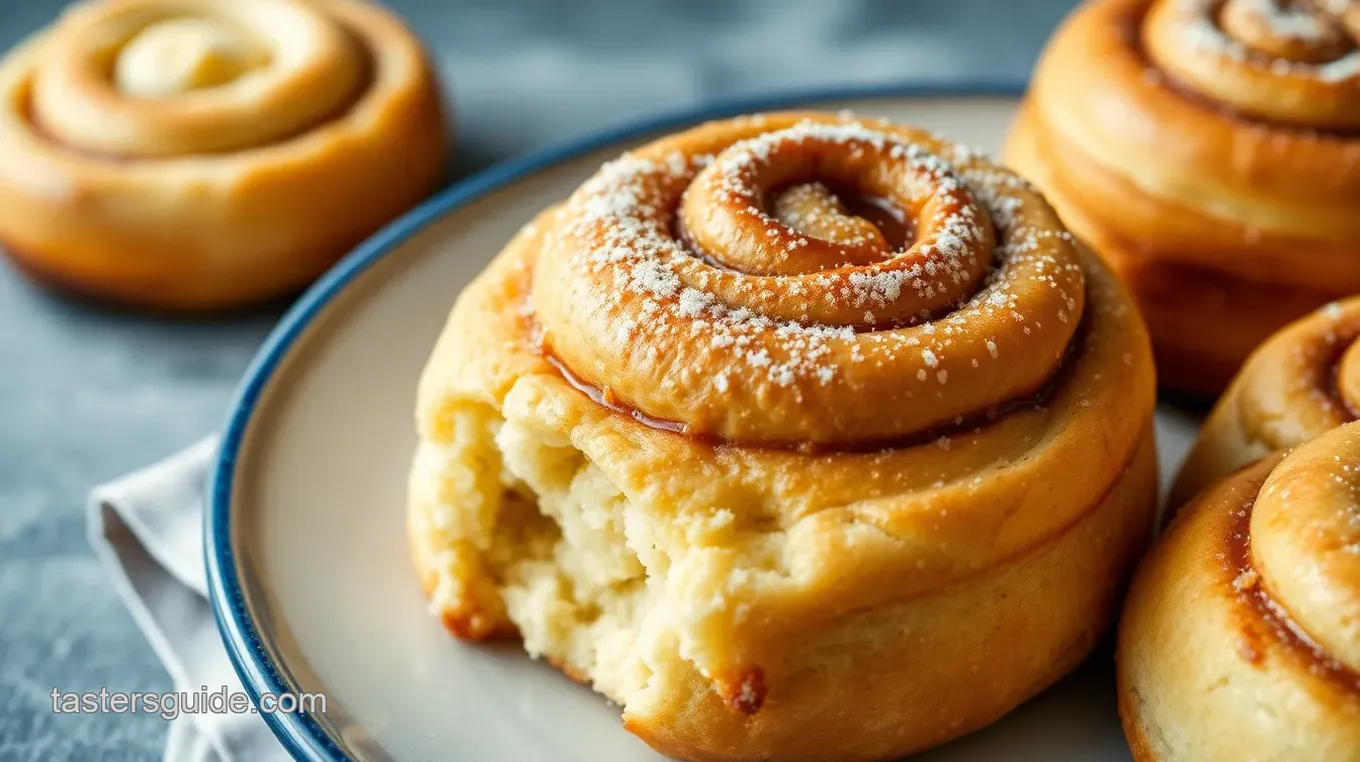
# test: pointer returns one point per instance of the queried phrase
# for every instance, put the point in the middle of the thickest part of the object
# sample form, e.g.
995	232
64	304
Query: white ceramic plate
306	546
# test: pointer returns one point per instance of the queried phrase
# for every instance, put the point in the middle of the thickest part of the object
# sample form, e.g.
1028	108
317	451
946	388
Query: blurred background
87	394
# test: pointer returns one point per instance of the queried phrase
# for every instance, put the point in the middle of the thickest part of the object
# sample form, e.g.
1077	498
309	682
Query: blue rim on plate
299	733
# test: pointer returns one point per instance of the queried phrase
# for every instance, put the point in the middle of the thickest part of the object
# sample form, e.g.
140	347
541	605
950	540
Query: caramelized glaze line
1279	626
1038	401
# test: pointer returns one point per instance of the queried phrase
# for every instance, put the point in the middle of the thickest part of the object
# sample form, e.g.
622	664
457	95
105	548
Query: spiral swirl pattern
193	76
1256	591
205	153
1301	383
763	320
1305	545
1244	53
781	386
1207	149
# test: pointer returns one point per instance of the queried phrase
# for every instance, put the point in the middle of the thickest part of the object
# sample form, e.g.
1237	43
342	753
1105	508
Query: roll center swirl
819	212
1287	61
166	78
728	204
782	302
725	213
1291	31
1305	541
181	55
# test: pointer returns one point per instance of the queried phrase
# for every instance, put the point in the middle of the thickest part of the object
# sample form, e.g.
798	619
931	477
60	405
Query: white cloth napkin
147	529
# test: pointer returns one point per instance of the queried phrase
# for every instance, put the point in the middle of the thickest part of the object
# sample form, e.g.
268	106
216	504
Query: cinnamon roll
1208	149
1241	635
768	431
201	154
1302	382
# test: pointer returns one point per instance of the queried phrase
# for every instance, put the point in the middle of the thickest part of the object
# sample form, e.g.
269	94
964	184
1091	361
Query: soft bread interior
657	592
538	535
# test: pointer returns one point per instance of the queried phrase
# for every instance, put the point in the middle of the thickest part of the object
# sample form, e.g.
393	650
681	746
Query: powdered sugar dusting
1201	32
945	260
644	258
978	254
1288	22
813	209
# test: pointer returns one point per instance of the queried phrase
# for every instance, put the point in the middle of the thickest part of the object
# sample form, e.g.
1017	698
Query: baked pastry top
767	433
1241	635
200	154
1299	384
1208	150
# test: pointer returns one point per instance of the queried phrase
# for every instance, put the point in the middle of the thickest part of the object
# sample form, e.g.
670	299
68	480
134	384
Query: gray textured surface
86	394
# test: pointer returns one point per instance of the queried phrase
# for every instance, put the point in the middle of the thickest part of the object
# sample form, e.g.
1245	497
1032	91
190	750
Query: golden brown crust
744	690
911	694
1139	745
479	617
158	202
1237	640
773	349
1296	386
853	599
1171	186
1203	322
